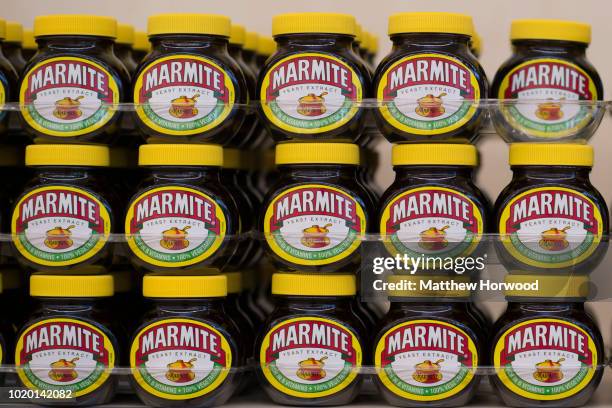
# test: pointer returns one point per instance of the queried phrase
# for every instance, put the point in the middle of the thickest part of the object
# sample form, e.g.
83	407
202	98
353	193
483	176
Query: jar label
310	93
551	227
431	221
64	354
68	96
425	360
314	224
183	95
310	357
175	226
545	359
548	83
428	94
180	359
60	225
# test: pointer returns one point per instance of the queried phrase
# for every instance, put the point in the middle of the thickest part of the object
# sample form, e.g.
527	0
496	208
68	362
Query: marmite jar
249	51
68	344
550	218
11	47
265	48
123	47
433	209
547	351
312	346
188	88
70	89
317	214
551	85
186	350
430	85
312	87
63	218
181	217
429	345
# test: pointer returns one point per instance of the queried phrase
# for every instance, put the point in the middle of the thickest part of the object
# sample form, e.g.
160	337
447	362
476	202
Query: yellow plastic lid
477	43
328	23
75	24
359	34
266	46
14	32
184	23
191	286
67	155
250	41
559	30
141	42
374	44
125	34
234	282
180	155
237	35
317	153
402	281
551	154
366	42
297	284
549	286
71	286
2	29
29	43
434	154
419	22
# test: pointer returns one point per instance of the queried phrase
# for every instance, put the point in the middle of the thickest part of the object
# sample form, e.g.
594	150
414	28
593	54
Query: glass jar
551	85
70	88
201	354
63	217
69	342
550	218
312	345
188	88
312	86
430	85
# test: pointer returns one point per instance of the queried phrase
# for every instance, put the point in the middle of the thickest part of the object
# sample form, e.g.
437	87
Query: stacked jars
63	217
552	222
188	224
317	213
429	89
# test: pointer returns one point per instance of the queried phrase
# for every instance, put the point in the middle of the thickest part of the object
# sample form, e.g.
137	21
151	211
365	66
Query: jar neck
320	171
186	173
60	172
432	172
180	42
431	40
549	47
314	302
188	305
75	43
559	306
579	173
310	40
235	52
69	305
439	305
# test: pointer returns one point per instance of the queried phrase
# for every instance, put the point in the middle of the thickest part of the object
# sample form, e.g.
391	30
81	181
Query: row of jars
192	341
189	88
188	210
